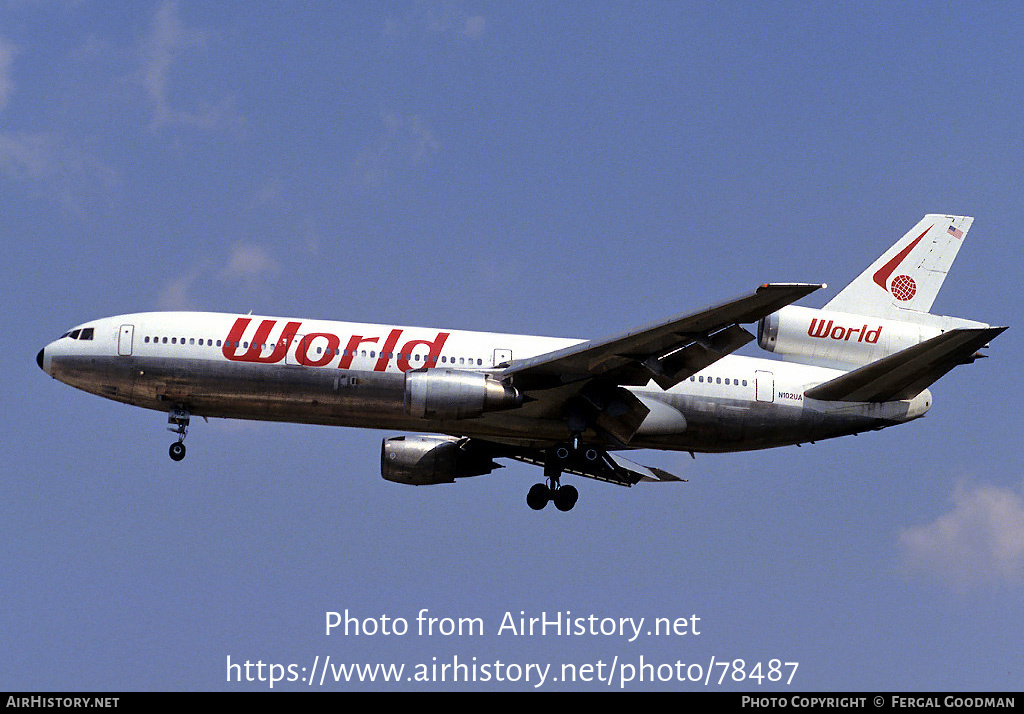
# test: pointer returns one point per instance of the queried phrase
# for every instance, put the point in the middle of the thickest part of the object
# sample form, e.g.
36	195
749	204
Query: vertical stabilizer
908	276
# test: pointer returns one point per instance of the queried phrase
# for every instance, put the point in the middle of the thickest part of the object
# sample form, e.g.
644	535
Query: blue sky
568	169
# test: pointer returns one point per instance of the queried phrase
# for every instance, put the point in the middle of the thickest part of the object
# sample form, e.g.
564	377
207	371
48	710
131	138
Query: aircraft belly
715	424
280	392
244	390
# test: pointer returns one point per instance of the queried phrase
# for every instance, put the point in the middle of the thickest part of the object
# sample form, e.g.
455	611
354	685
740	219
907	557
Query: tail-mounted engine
423	460
454	394
836	339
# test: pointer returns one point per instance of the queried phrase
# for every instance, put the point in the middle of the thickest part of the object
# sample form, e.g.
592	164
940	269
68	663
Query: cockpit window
82	333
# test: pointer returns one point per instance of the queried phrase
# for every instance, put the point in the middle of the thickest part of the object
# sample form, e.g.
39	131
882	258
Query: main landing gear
564	497
179	417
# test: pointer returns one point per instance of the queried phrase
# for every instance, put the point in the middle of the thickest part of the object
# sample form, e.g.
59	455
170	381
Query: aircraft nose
39	358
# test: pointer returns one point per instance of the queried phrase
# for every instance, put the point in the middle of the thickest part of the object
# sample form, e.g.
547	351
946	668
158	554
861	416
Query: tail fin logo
906	288
903	287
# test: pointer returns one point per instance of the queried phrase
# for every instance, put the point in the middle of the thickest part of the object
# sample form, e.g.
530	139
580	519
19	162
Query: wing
667	352
608	467
907	373
585	384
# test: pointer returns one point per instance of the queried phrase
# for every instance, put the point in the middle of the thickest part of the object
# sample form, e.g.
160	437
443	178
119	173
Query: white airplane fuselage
862	362
354	374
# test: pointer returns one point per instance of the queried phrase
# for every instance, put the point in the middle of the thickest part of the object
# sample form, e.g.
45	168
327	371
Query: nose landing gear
179	417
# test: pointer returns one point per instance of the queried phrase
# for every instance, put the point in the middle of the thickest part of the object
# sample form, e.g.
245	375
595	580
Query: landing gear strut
564	497
179	417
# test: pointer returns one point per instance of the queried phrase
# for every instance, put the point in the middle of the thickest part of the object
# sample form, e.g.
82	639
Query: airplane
862	362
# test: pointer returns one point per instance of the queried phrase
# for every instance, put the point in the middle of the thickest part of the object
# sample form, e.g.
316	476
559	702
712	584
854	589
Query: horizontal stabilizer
907	373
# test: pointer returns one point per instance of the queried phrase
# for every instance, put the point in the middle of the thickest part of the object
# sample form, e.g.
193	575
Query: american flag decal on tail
955	232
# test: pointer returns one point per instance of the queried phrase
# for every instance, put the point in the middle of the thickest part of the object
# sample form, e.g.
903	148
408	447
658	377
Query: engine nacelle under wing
425	460
837	339
455	394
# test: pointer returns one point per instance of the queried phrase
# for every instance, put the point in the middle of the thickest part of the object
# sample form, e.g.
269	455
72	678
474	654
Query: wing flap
671	369
610	468
906	373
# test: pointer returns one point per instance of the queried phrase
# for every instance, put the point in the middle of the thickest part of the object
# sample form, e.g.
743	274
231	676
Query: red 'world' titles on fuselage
822	330
254	351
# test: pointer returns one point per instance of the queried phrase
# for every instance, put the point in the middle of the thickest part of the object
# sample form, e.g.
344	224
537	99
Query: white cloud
980	541
7	54
179	293
244	267
474	26
248	263
438	18
75	179
167	42
403	141
46	161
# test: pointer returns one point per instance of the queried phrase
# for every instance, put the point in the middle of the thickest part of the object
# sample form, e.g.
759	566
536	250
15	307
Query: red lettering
389	346
255	351
822	330
350	350
328	353
434	354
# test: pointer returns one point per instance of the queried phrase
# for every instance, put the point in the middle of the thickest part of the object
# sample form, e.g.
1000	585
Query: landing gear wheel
177	451
179	417
538	496
565	498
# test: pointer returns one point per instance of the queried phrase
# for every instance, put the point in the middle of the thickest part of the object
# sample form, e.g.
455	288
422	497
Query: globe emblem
903	287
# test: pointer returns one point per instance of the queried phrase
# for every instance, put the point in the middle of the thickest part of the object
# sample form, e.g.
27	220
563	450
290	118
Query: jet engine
455	394
423	460
836	339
